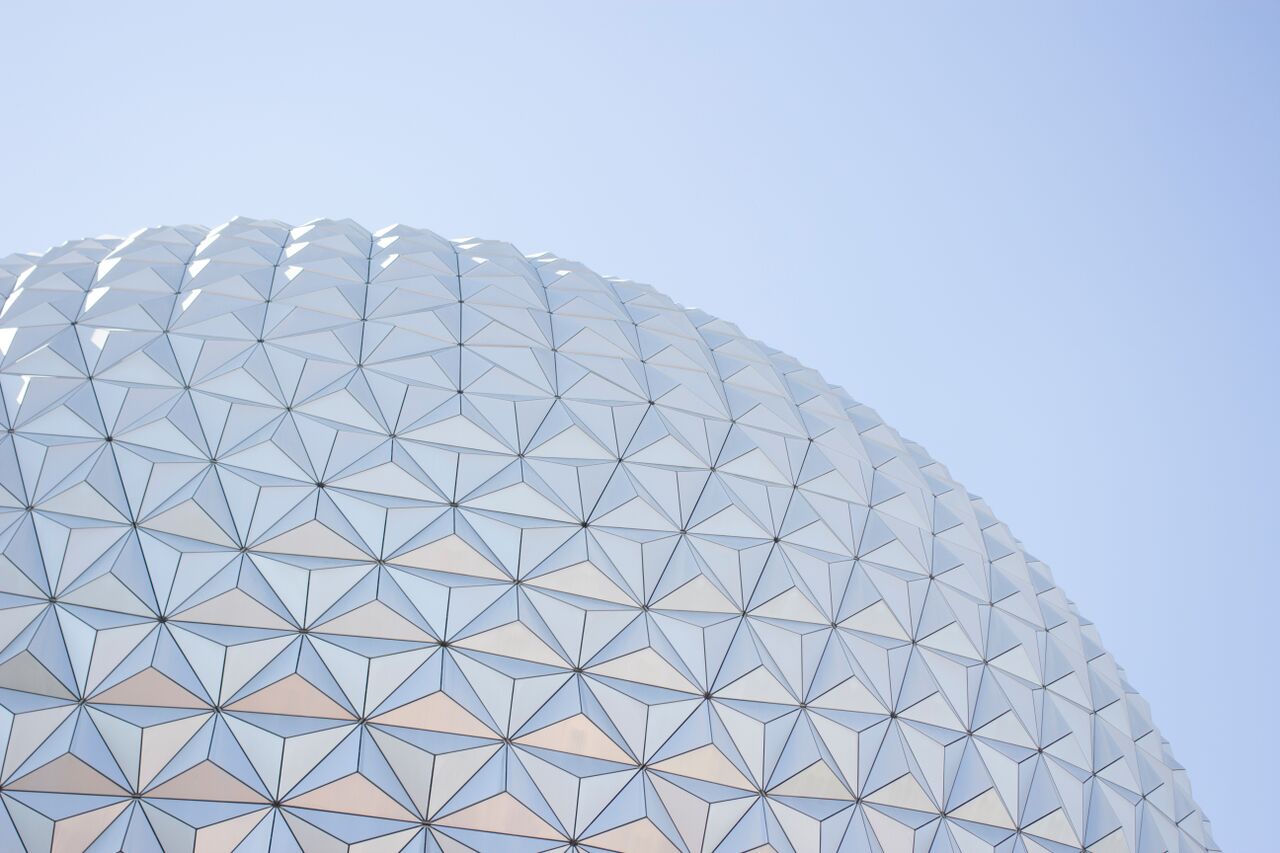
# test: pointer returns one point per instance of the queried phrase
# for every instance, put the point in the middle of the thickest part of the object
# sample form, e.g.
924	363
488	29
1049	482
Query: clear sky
1042	239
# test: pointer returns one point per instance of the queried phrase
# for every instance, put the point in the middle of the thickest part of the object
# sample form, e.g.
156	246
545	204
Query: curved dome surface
318	539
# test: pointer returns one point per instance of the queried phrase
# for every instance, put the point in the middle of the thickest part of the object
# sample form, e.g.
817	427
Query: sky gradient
1043	240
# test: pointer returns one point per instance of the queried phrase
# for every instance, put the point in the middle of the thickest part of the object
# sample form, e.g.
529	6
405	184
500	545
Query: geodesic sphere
317	539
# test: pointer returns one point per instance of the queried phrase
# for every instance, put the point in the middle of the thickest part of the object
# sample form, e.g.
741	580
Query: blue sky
1040	238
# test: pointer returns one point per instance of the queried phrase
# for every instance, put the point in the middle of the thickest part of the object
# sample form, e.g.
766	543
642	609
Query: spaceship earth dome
322	539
